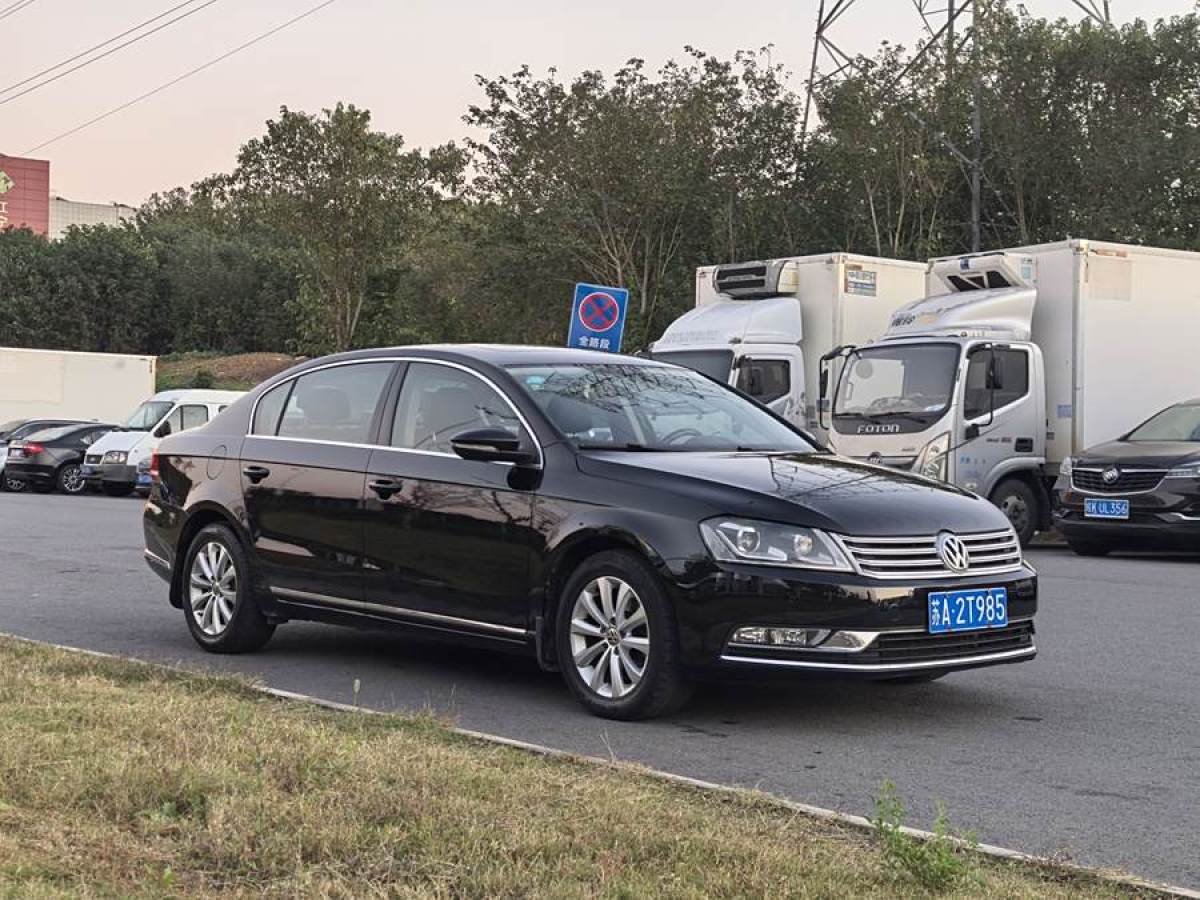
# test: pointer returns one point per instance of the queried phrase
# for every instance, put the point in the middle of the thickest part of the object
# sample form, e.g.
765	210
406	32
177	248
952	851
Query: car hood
1149	454
118	440
816	489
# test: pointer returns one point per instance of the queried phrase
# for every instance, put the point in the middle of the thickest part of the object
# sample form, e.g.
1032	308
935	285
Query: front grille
917	557
916	647
93	458
1129	481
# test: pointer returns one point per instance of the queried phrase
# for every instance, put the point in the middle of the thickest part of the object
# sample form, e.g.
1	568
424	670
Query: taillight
33	449
154	467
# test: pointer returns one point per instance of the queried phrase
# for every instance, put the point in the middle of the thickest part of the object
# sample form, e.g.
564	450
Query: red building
25	194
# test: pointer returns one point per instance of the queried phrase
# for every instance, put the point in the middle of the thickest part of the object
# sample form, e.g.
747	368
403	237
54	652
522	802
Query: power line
13	8
109	52
101	45
188	74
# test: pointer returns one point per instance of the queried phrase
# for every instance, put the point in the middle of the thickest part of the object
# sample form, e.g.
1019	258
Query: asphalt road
1090	752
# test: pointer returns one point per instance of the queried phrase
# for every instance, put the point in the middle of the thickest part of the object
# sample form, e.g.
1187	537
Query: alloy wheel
11	484
212	588
72	480
610	637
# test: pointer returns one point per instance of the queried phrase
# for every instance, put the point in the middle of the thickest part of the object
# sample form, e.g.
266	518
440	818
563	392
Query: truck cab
954	390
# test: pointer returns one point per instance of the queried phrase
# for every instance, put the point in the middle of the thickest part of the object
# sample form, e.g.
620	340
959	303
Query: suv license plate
968	610
1105	509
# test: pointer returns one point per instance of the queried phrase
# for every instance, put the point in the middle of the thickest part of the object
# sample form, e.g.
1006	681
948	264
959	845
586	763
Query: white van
112	462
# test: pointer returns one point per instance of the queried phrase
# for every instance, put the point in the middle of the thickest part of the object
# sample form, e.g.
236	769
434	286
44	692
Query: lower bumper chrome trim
395	612
883	667
155	560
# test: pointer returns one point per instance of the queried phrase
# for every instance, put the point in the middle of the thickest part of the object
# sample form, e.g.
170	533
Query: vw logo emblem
1110	475
953	552
875	459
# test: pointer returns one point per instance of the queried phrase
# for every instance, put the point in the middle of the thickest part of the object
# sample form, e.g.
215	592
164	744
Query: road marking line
860	823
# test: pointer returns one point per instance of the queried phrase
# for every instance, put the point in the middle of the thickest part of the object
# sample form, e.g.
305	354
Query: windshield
147	415
642	407
713	363
907	380
1175	423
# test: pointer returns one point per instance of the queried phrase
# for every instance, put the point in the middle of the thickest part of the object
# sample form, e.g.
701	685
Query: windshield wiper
640	448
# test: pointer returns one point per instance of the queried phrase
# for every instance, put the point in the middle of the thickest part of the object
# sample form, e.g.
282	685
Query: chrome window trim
395	359
327	600
882	667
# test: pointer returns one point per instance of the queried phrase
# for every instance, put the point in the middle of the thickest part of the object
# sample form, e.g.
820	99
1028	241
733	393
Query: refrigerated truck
764	325
39	384
1018	359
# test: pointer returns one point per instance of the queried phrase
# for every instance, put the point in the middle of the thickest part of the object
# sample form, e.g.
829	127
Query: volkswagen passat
629	523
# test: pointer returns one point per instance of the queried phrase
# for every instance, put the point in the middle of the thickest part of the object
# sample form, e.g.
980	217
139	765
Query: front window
645	407
912	382
147	415
713	363
766	380
1175	423
438	402
995	378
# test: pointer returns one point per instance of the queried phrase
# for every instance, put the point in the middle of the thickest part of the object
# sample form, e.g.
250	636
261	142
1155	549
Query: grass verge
121	779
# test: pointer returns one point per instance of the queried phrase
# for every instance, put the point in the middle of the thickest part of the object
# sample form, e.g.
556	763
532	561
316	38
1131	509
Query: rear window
50	434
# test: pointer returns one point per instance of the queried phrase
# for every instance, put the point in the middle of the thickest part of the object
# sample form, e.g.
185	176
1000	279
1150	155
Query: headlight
771	544
932	461
1066	467
1190	470
115	456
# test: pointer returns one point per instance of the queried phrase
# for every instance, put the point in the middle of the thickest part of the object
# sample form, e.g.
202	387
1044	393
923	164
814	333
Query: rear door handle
256	473
385	487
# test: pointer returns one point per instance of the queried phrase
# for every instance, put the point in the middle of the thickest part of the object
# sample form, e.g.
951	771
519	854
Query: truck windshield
913	380
147	415
713	363
652	408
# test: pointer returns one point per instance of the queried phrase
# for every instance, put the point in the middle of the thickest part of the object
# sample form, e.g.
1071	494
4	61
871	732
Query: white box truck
764	326
1019	358
40	384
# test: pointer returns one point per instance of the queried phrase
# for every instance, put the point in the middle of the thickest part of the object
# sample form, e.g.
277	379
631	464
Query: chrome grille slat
1129	481
916	556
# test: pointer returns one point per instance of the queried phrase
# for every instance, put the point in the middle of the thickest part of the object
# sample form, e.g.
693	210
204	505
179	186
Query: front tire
70	479
1018	501
617	641
218	599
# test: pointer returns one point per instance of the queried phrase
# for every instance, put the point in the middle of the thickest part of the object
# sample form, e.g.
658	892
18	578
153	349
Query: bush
936	863
203	379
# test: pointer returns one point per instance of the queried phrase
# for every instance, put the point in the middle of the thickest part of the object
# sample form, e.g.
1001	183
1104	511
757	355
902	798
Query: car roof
202	395
497	355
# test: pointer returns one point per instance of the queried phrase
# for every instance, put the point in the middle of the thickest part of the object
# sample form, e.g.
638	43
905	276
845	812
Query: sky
411	62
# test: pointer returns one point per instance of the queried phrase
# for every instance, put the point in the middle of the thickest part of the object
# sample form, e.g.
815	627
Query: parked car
53	457
1141	491
627	522
15	430
112	464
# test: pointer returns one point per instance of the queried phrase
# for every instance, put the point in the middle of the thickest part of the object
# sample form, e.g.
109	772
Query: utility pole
976	131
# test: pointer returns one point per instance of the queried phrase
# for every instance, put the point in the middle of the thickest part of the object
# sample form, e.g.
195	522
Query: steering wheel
680	433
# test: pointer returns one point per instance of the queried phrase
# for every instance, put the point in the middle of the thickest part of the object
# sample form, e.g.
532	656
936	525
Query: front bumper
1168	515
713	605
110	473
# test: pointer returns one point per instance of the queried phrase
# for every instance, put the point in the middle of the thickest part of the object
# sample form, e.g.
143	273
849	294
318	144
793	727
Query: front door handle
256	473
385	487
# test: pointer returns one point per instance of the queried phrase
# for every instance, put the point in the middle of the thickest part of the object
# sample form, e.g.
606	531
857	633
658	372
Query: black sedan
1139	492
16	430
52	457
629	523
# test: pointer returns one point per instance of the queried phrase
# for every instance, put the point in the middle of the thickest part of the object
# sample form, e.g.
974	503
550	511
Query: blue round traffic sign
599	311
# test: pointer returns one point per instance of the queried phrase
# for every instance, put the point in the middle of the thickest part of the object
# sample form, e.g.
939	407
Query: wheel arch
198	519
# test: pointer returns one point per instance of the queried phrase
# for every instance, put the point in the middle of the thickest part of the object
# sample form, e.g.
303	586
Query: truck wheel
218	598
70	479
617	642
116	488
1085	547
1019	502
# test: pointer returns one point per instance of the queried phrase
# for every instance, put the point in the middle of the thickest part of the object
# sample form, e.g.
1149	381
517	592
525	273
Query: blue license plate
968	610
1094	508
144	478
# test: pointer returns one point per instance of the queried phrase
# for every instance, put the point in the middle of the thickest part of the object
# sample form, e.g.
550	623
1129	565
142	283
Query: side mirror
972	431
492	445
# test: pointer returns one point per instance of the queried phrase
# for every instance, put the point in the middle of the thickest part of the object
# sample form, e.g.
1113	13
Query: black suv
1141	491
630	523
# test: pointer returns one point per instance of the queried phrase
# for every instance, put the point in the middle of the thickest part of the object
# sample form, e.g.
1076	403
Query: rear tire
1085	547
617	641
116	489
1019	502
70	480
218	598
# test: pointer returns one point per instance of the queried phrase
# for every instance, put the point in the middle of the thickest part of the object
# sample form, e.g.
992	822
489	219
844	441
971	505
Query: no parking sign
598	317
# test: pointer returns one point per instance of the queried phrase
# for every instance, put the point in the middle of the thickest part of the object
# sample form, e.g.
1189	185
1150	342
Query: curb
859	823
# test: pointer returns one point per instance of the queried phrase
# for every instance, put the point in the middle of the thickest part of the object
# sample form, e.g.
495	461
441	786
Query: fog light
750	636
850	640
781	637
